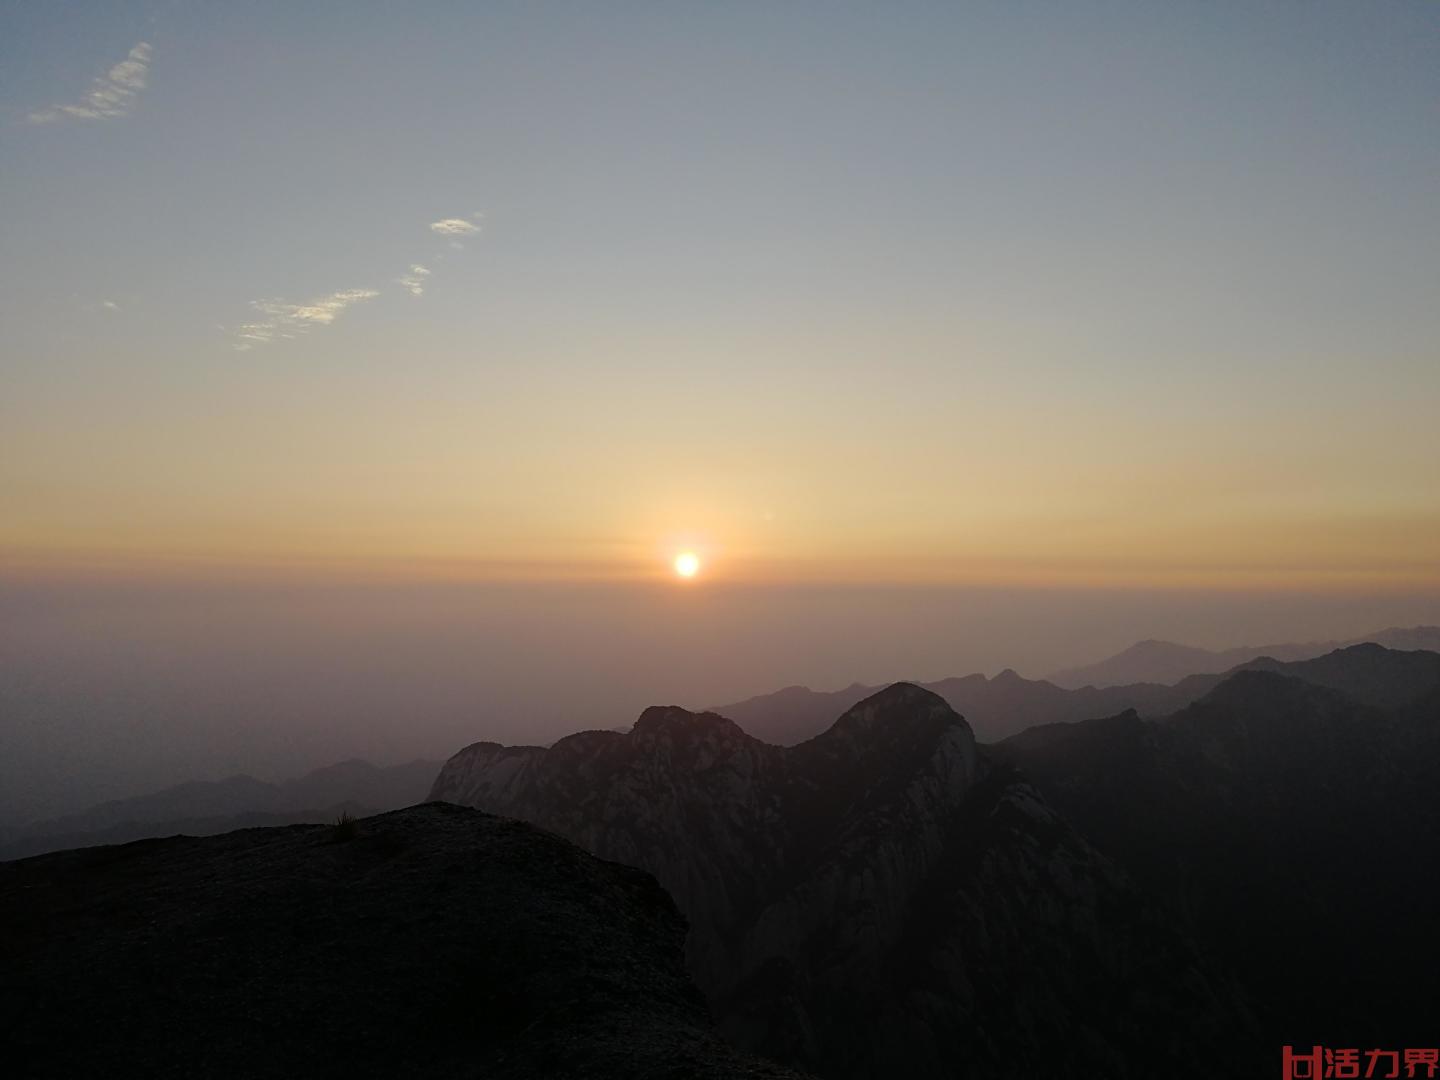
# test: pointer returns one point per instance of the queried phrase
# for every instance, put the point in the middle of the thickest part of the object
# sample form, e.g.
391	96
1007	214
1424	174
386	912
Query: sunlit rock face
878	901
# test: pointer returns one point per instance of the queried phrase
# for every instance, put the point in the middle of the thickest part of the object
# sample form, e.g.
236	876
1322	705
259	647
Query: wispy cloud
279	320
285	320
109	305
414	281
454	227
113	94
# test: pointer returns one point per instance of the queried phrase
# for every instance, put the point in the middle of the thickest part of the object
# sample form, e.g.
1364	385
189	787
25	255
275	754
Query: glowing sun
687	564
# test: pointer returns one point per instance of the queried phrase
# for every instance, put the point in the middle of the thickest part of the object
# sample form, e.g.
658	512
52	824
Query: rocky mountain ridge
880	900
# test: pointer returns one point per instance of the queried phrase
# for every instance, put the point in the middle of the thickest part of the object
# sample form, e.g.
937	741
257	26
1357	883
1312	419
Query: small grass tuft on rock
346	828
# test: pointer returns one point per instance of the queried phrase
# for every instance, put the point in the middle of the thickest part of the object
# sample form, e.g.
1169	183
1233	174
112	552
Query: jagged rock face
878	901
437	942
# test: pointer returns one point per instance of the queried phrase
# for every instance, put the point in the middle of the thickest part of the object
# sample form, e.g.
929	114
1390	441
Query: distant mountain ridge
999	707
209	807
1167	662
994	708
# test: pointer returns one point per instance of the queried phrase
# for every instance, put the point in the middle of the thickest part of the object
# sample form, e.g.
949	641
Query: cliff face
436	942
878	901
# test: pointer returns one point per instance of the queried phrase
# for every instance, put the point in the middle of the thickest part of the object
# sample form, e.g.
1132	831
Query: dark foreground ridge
436	941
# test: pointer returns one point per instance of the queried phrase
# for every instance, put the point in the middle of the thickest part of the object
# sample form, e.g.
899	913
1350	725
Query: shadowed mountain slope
437	942
880	900
1293	830
1367	673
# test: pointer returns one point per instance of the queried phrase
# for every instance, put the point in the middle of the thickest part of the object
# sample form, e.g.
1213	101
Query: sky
1046	300
988	294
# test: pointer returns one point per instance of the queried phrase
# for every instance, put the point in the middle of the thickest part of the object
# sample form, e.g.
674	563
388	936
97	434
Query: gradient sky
1011	293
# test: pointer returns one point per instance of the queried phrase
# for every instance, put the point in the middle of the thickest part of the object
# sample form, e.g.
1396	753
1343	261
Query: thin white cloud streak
454	227
113	94
109	305
284	320
414	281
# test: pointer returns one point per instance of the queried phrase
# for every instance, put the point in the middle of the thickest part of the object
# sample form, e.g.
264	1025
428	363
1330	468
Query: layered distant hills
999	707
1166	662
994	707
205	808
1119	897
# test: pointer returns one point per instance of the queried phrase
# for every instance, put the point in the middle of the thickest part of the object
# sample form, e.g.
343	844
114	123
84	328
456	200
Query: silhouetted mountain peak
901	693
671	722
1371	650
898	707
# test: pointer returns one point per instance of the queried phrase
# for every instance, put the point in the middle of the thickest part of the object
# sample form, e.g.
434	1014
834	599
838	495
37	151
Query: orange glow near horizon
959	490
1319	560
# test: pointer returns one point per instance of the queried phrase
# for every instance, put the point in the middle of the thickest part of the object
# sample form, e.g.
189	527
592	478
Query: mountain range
1290	821
883	900
1166	662
1119	897
994	707
1008	703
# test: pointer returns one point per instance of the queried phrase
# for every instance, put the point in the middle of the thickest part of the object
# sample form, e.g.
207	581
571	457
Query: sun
687	564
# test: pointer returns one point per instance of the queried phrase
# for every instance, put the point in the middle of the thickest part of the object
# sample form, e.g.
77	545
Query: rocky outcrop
433	942
880	900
